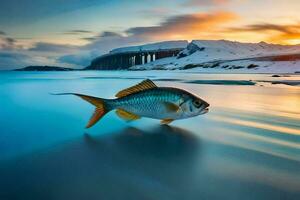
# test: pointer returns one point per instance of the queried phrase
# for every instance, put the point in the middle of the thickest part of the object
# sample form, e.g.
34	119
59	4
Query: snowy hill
222	56
179	44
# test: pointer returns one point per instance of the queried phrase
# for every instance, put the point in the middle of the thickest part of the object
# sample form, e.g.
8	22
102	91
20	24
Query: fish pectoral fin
166	121
127	115
144	85
171	107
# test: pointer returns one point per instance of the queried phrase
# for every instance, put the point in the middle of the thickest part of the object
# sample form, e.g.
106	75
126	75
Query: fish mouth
205	110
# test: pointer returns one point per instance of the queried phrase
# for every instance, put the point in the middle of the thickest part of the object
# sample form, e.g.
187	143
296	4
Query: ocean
246	147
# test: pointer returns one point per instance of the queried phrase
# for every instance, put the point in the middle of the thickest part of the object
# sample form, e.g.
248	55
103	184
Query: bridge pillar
133	60
129	61
148	57
140	58
127	57
143	59
152	57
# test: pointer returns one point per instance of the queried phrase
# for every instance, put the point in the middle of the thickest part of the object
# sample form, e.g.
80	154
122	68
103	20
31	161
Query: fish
146	99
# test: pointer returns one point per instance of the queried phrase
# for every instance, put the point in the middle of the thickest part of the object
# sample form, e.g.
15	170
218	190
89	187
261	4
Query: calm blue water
247	146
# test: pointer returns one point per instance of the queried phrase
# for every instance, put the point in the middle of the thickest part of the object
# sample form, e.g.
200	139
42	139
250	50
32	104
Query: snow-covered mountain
177	44
223	55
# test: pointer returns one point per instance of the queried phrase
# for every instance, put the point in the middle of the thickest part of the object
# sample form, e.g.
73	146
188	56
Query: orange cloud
190	26
283	34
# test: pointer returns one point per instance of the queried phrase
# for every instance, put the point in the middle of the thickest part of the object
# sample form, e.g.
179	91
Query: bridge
124	59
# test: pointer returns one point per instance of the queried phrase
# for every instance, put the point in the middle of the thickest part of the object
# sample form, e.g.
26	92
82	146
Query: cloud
104	34
268	27
185	26
281	33
49	47
193	3
189	26
14	56
77	32
110	34
105	44
197	25
176	27
12	60
81	59
98	45
7	42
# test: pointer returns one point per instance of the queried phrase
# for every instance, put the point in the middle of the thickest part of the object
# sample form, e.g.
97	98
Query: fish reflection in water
130	164
161	142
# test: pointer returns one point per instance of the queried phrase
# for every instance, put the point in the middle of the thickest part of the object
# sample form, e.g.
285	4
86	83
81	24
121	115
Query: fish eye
197	103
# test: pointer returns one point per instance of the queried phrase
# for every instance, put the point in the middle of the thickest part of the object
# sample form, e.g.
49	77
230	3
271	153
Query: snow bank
222	55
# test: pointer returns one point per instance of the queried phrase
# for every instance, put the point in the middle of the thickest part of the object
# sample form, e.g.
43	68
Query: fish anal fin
98	113
171	107
127	115
144	85
166	121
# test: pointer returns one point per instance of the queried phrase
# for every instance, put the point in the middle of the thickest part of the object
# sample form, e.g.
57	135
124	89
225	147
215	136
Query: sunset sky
72	32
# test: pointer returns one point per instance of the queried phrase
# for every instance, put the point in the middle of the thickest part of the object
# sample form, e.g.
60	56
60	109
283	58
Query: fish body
157	103
147	100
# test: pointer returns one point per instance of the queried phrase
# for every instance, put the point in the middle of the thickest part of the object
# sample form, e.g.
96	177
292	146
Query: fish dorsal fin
127	115
144	85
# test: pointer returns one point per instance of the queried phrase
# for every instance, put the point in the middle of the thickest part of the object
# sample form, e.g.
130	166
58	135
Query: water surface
246	147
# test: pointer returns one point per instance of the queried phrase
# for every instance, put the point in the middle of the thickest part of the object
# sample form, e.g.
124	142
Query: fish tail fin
101	107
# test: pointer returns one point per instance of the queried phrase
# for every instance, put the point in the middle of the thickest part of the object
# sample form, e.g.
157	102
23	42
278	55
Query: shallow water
246	147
